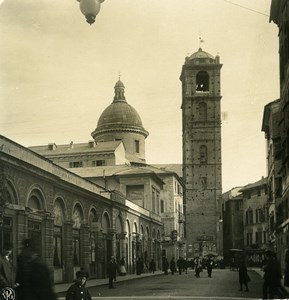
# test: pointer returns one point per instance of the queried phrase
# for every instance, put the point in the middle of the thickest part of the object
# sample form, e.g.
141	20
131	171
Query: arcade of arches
76	225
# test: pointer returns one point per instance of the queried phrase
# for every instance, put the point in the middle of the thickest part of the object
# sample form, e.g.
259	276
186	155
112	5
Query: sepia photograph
144	149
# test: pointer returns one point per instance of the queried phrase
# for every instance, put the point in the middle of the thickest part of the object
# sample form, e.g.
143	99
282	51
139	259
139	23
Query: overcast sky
57	73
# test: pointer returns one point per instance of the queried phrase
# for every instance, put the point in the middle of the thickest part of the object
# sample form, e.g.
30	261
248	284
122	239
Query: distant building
255	212
271	128
233	225
202	162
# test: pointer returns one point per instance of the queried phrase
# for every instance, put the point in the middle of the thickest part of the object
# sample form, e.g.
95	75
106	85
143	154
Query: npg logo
7	294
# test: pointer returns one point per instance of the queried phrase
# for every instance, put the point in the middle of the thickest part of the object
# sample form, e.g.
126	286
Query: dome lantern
119	92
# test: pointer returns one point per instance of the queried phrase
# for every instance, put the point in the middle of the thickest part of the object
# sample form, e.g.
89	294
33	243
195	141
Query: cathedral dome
119	116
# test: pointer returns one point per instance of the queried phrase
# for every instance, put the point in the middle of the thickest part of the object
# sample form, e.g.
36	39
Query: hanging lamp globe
90	9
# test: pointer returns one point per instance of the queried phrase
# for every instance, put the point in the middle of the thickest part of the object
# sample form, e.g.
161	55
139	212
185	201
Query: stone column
84	246
68	275
21	228
48	249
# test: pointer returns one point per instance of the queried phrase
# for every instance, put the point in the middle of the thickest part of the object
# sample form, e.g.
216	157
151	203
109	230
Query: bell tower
202	162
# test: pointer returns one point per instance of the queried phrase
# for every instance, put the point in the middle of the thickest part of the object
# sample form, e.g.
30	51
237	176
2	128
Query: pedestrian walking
243	276
173	266
122	269
139	266
111	271
78	291
165	265
272	277
7	271
180	265
32	274
152	266
209	265
198	266
186	265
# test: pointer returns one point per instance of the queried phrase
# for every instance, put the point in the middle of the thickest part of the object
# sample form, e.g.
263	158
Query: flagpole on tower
200	41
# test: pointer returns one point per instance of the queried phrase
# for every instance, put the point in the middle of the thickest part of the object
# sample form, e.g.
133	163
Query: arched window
203	154
202	111
202	81
77	218
59	217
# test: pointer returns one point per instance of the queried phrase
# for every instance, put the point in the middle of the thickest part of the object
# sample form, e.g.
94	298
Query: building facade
279	14
271	128
115	161
202	163
77	223
255	212
233	226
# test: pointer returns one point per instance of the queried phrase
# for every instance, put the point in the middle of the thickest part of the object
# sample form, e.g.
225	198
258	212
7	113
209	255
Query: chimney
52	146
91	144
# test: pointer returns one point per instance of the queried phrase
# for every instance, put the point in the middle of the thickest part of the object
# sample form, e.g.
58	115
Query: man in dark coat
173	265
111	271
152	266
209	265
7	272
32	275
165	265
139	266
78	291
180	265
243	276
272	276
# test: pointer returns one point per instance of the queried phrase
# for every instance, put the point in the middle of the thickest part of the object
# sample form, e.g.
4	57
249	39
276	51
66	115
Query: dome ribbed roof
201	54
119	115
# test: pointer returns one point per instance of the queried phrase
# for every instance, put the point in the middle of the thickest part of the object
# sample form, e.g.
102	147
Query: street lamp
90	9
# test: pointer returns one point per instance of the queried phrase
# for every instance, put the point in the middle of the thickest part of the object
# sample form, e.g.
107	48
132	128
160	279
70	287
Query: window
202	81
249	238
57	243
257	215
264	237
136	143
98	163
6	234
249	216
153	199
157	202
258	237
162	206
76	247
75	164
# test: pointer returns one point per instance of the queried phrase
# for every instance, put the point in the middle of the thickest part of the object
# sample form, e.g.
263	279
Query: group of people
31	280
182	265
272	279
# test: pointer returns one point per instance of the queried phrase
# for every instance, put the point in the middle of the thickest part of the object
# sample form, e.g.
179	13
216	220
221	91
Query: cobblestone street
223	285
